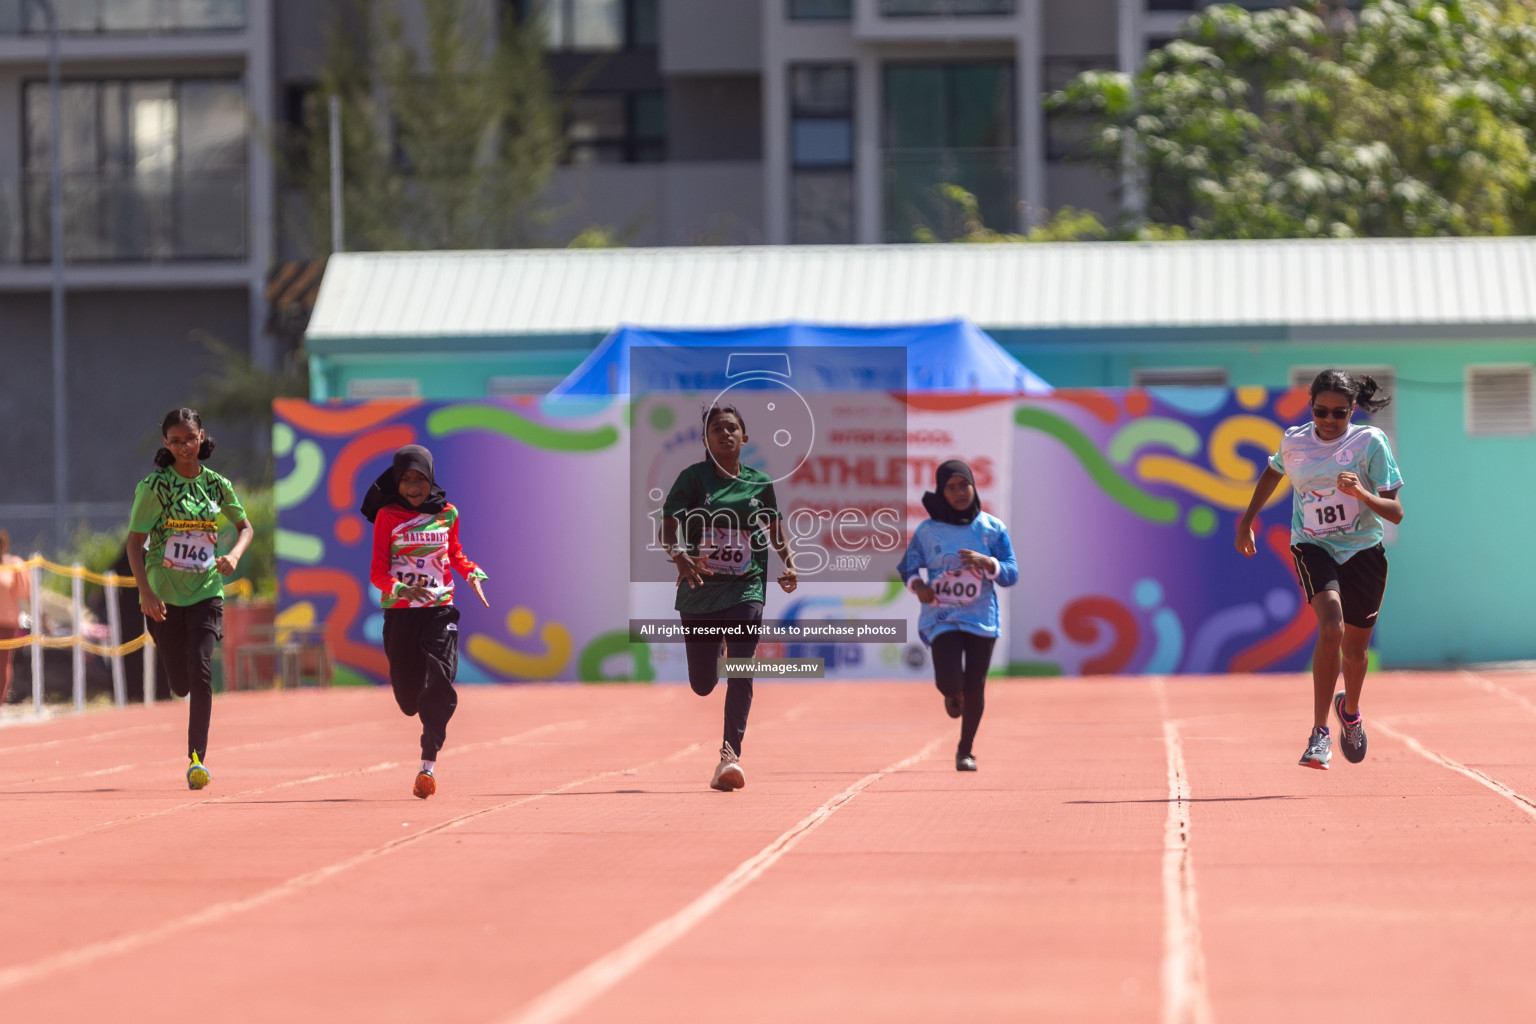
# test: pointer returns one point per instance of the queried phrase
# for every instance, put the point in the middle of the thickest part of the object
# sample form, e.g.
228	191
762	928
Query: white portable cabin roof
1487	281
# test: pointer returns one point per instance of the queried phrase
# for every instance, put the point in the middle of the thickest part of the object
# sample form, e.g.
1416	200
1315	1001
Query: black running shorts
1359	582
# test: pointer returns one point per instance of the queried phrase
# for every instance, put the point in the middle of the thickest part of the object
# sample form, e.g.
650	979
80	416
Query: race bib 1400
956	587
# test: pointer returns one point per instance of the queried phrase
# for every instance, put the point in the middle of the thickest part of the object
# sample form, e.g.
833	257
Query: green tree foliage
445	147
961	222
1409	118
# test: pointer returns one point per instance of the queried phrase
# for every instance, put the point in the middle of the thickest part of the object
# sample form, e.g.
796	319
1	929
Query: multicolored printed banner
1121	505
1123	517
540	497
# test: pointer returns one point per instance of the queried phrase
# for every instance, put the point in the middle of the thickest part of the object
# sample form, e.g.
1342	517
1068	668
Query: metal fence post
37	636
77	648
150	681
115	638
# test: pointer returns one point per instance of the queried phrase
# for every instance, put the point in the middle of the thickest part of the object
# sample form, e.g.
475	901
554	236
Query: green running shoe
197	774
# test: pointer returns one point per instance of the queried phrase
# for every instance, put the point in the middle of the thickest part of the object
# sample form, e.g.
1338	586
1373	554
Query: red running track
1132	850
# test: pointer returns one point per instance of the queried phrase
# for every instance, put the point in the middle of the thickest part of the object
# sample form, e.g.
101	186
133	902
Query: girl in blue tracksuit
968	555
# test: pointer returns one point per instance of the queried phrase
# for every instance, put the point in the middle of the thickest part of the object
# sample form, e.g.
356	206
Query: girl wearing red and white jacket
415	551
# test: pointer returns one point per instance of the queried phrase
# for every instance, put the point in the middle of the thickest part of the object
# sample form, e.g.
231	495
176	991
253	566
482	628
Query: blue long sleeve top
966	597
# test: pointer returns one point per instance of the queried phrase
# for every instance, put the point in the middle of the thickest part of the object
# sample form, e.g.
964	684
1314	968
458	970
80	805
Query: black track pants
422	645
184	642
960	663
704	668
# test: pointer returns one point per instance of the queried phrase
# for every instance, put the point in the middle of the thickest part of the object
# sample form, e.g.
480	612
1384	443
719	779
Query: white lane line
91	737
1185	997
1489	686
182	761
587	984
1185	1000
20	974
1525	803
308	780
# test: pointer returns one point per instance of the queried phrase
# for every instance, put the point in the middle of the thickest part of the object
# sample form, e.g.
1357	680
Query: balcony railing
913	199
105	17
945	8
128	218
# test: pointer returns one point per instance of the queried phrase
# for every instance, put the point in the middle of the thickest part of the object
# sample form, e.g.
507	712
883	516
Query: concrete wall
130	359
714	118
707	37
708	203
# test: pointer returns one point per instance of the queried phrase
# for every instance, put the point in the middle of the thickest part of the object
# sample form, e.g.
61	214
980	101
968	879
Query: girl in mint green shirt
1344	484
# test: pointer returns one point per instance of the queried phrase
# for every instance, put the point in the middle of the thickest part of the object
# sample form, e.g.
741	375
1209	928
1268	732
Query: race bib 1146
190	546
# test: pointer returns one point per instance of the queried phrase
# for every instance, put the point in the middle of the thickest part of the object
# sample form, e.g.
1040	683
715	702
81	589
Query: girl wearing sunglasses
1345	483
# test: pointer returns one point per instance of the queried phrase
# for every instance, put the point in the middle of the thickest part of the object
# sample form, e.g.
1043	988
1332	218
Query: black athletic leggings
951	677
422	645
704	667
184	641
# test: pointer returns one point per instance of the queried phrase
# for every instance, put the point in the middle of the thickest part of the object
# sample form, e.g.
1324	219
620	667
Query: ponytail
1361	390
1366	399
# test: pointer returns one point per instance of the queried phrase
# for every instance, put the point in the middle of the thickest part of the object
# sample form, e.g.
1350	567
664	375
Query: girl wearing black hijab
968	555
415	545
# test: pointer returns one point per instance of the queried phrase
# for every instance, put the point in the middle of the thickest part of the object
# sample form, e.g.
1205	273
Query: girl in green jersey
720	519
172	549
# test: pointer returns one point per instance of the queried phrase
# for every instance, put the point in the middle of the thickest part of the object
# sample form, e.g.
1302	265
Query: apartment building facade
830	121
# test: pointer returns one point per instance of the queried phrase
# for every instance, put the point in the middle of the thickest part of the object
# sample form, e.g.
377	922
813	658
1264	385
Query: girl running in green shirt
172	548
720	519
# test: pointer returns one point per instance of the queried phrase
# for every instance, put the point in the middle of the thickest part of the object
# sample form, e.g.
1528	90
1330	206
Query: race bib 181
1330	511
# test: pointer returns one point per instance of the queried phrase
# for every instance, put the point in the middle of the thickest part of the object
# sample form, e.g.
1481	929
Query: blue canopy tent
952	356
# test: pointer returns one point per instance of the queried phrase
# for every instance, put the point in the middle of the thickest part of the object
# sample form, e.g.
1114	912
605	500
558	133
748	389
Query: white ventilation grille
1386	383
532	384
1179	377
384	387
1501	400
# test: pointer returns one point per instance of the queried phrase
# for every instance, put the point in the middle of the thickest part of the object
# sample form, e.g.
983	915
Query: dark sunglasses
1339	414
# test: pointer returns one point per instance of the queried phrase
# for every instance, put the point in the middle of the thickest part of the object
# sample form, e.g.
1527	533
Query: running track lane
1036	889
1396	889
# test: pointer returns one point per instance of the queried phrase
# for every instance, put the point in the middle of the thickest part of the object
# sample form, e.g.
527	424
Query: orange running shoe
425	786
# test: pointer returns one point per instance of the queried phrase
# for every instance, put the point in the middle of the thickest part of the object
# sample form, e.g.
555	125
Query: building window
101	17
820	10
617	128
948	124
594	25
1068	134
1179	377
152	169
1501	400
944	8
821	153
